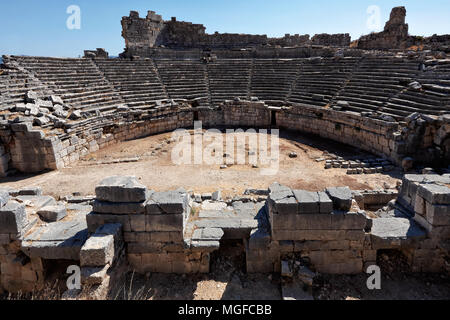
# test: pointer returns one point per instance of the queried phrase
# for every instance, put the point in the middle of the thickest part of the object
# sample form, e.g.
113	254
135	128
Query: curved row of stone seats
375	81
14	84
431	96
137	81
272	78
320	79
77	81
185	79
229	78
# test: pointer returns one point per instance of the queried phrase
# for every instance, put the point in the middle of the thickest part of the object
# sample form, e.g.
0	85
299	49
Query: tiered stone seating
137	81
433	98
320	79
229	78
185	79
375	81
77	81
379	84
14	84
272	78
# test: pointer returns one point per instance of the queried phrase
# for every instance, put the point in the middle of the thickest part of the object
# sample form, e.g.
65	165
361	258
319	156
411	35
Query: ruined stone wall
154	224
426	198
139	32
236	113
255	53
394	36
17	271
26	148
424	138
161	232
373	135
143	34
290	40
335	40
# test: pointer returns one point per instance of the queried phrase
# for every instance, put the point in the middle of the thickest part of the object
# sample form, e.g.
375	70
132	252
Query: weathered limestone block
438	215
204	246
341	197
208	234
98	251
121	189
94	275
281	200
334	221
171	202
52	213
434	193
30	191
119	207
325	203
95	221
318	235
164	223
113	229
13	218
389	233
308	202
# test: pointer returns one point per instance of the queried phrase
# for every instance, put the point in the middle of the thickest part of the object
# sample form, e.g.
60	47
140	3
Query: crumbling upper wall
394	36
141	34
335	40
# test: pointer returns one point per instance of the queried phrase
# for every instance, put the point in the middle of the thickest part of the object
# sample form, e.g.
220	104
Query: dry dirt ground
154	167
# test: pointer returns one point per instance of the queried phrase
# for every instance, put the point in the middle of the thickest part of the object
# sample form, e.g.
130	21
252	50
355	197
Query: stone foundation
175	232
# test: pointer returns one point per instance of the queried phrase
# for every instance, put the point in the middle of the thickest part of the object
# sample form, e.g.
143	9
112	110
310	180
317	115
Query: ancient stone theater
363	170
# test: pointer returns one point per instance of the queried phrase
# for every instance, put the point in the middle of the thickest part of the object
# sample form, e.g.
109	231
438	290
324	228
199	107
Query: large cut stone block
318	235
13	218
119	207
121	189
348	220
94	221
341	197
60	240
98	251
389	233
30	191
52	213
308	202
325	203
171	202
208	234
91	276
438	215
164	223
434	193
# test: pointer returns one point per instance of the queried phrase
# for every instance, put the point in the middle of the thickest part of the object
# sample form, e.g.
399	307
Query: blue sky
38	28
